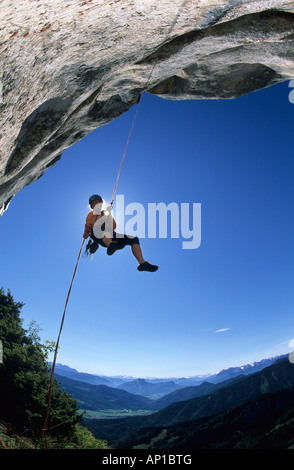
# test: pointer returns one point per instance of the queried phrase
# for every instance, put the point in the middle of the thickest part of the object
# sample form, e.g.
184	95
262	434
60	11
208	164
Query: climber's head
95	199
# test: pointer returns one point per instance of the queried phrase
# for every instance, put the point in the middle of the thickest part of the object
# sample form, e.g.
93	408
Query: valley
253	410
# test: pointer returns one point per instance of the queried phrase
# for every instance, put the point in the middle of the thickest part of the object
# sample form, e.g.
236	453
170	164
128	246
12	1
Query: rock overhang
71	67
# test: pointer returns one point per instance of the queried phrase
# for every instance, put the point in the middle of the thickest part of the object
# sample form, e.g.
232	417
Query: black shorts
122	239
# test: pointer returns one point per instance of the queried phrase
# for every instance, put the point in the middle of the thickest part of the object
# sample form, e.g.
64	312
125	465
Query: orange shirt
90	221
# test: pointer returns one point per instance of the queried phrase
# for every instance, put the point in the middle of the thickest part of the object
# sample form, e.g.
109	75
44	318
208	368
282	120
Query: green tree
24	379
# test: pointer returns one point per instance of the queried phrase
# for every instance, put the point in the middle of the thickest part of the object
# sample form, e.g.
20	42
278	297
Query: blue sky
226	303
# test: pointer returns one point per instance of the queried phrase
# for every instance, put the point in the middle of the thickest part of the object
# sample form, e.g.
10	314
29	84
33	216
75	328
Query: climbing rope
45	426
3	443
184	4
125	150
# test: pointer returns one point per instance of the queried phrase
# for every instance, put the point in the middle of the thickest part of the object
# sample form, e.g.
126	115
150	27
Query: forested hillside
24	379
266	422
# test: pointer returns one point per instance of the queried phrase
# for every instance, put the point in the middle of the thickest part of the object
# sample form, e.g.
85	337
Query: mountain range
149	389
66	371
119	393
156	387
101	397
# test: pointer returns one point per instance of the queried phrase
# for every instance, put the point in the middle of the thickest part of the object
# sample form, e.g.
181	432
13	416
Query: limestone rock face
68	67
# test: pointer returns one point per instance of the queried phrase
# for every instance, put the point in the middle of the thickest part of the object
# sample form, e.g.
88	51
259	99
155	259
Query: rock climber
100	227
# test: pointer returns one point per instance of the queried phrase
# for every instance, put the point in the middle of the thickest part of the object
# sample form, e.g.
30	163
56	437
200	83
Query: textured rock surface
68	67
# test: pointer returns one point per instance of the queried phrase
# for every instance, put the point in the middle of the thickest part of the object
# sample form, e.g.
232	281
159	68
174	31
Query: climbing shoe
113	247
147	267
